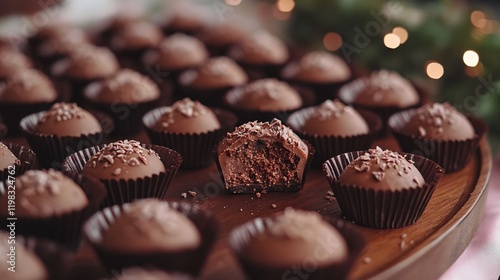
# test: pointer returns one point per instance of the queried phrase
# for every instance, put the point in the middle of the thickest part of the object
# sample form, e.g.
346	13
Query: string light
232	2
279	14
478	19
434	70
285	5
474	72
471	58
401	33
391	41
332	41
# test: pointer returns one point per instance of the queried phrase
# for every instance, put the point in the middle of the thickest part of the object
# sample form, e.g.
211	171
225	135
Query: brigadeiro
48	32
210	81
263	156
52	205
12	62
25	93
189	128
83	66
149	274
152	233
319	71
268	248
261	55
383	92
15	159
263	100
381	188
126	96
101	33
333	128
438	132
219	38
128	169
60	131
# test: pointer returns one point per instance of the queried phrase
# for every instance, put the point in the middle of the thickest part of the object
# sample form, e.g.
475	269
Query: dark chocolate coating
12	61
28	86
317	67
215	73
260	49
135	35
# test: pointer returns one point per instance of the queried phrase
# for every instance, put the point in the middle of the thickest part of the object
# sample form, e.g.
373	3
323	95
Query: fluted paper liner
253	188
451	155
26	157
349	92
51	149
122	191
382	208
63	228
242	235
55	258
328	146
187	261
195	148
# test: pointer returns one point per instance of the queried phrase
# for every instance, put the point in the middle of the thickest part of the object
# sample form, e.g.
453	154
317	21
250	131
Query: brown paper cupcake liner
231	98
379	208
186	261
63	228
241	236
349	92
52	149
56	259
195	148
256	72
253	188
26	157
451	155
123	191
328	146
13	113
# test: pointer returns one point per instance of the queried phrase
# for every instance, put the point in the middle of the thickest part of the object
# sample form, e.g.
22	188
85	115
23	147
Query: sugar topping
27	80
295	224
330	109
130	152
267	89
219	66
186	107
10	59
63	112
388	80
180	43
36	182
319	60
262	43
262	129
156	212
128	78
436	115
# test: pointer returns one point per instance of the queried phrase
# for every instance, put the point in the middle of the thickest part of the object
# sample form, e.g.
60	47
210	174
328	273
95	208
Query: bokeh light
478	19
471	58
434	70
280	15
232	2
392	41
332	41
285	5
402	33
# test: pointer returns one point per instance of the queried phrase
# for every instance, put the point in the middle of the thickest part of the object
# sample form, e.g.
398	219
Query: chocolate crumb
330	198
379	176
330	193
258	194
367	260
274	206
117	171
184	195
192	193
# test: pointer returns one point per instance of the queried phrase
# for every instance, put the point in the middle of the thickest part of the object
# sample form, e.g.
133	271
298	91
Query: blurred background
450	47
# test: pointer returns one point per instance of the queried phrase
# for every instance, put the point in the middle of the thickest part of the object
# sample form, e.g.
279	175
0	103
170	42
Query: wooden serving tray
431	245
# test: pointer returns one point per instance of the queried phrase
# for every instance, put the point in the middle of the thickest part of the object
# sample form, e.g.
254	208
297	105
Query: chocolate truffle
124	87
267	95
46	193
386	89
439	122
385	170
7	158
29	86
222	36
124	159
67	119
151	225
215	73
292	237
186	18
28	265
263	155
177	52
260	49
143	274
136	35
317	67
187	116
60	46
12	62
334	118
87	63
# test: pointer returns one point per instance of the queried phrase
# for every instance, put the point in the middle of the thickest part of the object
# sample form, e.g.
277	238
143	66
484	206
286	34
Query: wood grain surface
432	244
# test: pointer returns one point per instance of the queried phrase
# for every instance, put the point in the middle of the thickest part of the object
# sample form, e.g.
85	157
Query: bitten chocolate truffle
150	226
136	35
332	117
264	155
439	122
380	169
7	158
267	95
386	89
187	116
260	49
87	63
215	73
46	193
125	159
28	265
67	119
177	52
28	86
12	61
292	237
317	67
124	87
